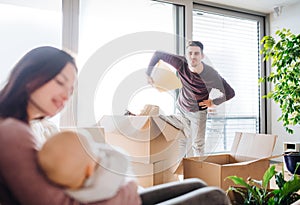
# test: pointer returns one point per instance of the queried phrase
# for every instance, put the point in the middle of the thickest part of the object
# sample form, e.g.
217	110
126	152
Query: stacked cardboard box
151	144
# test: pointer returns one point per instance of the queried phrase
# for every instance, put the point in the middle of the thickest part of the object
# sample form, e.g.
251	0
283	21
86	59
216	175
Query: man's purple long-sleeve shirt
195	87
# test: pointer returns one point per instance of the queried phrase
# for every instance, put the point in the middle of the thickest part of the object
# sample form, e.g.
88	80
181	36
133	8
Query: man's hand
150	80
206	103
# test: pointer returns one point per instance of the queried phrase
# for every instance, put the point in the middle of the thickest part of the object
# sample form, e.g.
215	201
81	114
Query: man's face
194	56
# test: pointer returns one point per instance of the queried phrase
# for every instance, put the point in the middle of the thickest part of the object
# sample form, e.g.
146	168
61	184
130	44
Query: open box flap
169	131
140	127
254	160
247	146
245	162
131	126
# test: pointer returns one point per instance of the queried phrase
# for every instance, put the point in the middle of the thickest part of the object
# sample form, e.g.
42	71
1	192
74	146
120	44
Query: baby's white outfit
110	174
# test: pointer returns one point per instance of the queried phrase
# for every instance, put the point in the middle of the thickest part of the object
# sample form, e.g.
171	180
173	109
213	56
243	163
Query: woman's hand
127	195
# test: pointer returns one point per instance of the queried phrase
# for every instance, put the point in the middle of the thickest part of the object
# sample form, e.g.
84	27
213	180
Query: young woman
38	87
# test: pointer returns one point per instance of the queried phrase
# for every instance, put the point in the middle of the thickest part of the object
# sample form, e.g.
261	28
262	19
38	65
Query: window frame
71	23
261	18
70	17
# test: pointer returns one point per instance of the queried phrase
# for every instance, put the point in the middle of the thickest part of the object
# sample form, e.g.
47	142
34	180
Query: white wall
289	18
25	25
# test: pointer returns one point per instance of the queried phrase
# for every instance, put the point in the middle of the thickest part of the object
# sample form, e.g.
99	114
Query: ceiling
42	4
262	6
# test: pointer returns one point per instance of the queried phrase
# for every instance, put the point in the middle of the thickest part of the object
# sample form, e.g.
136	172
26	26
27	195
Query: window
231	45
25	25
116	42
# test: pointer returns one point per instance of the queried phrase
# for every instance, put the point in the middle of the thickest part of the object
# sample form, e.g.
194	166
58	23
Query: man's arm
214	80
174	60
227	91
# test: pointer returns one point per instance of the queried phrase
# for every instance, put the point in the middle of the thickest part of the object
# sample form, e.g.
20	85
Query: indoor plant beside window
284	53
285	57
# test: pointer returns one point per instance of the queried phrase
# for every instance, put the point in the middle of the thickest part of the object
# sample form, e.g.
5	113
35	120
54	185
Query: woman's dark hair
36	68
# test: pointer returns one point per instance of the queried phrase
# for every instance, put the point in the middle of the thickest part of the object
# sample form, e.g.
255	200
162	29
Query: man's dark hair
195	43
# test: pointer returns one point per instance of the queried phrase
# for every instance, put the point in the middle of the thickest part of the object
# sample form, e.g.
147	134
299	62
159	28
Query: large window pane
102	24
231	45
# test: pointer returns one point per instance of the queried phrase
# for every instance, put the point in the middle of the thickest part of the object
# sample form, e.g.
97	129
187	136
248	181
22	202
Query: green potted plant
254	192
284	54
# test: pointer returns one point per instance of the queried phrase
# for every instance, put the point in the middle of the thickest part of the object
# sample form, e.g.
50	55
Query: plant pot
237	199
291	159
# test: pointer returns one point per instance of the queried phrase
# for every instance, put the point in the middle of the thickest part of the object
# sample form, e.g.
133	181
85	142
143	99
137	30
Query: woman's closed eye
64	84
59	82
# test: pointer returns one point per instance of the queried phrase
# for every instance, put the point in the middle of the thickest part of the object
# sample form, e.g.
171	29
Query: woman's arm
127	195
24	179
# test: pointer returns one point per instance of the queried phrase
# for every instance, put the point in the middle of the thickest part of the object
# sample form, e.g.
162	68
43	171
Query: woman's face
50	98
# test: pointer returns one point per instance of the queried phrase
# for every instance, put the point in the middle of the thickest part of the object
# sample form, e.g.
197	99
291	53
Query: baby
90	171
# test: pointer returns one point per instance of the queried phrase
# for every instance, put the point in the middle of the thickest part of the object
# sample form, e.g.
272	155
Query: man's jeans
194	144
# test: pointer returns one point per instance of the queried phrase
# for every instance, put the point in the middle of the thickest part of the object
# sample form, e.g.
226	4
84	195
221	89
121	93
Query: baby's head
66	159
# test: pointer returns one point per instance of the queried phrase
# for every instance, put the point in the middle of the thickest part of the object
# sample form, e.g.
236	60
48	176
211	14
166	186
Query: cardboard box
151	144
146	139
96	132
248	158
148	175
164	77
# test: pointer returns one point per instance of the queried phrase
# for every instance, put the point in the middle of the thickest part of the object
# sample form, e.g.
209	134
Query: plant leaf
239	181
267	176
284	54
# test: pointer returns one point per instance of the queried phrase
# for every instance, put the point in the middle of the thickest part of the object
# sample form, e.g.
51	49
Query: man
198	79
